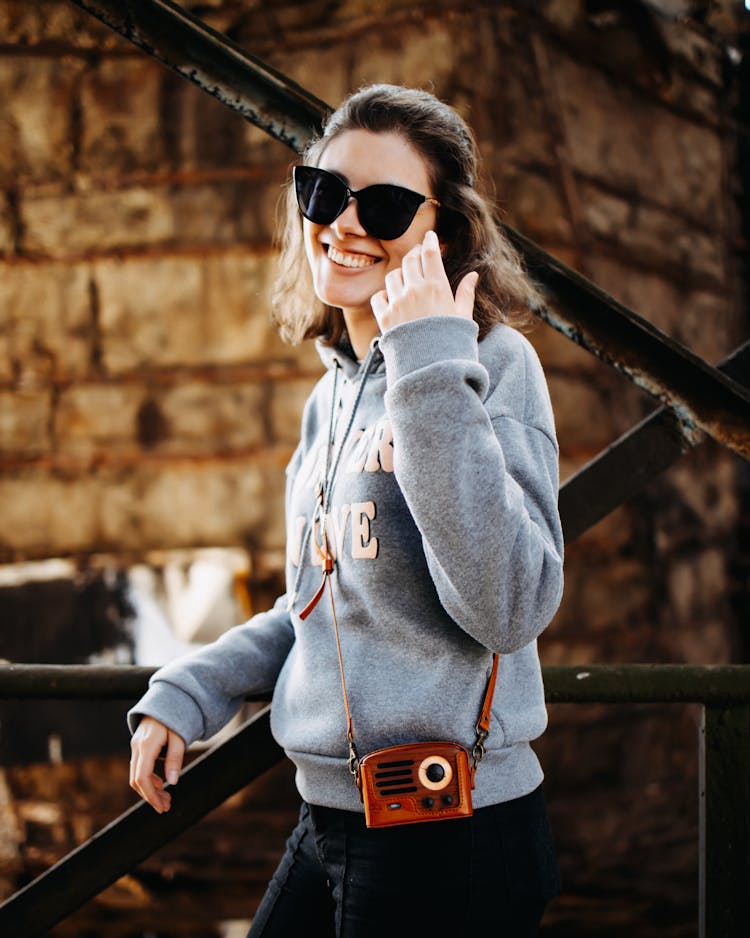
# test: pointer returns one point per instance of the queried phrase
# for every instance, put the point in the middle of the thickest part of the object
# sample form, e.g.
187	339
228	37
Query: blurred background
148	408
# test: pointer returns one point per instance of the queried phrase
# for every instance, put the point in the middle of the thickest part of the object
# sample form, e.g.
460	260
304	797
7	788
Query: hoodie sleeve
200	692
476	458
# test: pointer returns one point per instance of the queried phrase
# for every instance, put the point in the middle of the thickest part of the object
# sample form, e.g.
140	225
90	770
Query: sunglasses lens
387	211
320	195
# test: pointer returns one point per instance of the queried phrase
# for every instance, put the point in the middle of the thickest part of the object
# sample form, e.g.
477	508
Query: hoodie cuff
422	342
172	707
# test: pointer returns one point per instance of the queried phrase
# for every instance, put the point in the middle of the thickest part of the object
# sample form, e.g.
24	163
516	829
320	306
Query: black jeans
494	871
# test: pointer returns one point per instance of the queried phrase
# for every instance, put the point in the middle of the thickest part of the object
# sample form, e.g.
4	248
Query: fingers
411	267
465	295
394	285
424	262
174	757
379	304
147	743
420	287
432	259
145	746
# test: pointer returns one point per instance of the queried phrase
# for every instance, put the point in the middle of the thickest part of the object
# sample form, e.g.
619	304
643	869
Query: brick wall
145	402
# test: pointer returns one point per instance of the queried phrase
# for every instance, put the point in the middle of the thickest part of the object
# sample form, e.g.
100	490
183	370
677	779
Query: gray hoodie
444	523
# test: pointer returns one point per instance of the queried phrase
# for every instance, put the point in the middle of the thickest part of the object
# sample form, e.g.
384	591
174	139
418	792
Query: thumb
173	758
379	304
465	295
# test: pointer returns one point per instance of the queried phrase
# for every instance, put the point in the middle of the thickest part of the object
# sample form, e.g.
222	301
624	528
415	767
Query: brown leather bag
415	782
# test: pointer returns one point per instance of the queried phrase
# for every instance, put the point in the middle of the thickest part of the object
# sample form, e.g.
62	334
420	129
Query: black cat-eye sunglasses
385	211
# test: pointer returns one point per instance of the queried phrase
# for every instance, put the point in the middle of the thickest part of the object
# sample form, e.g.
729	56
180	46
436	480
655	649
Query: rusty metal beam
630	463
217	65
702	398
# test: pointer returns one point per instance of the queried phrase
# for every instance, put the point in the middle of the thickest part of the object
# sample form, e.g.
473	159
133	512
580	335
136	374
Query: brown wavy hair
466	224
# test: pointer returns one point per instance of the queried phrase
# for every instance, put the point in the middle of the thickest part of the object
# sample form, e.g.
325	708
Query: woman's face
349	266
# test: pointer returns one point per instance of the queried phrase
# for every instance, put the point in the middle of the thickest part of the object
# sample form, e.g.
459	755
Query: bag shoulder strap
485	716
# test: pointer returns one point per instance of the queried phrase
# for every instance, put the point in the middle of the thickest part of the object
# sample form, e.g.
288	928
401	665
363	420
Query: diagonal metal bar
621	470
702	399
135	835
219	66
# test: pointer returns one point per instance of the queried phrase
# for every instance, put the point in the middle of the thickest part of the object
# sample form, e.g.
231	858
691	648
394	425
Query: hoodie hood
343	353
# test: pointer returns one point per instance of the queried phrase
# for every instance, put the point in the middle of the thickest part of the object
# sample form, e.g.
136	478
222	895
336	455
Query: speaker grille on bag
395	778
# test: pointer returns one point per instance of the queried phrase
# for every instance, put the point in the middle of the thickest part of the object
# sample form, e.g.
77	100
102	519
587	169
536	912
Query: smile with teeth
350	260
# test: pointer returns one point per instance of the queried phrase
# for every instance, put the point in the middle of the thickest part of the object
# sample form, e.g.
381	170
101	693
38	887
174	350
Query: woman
423	536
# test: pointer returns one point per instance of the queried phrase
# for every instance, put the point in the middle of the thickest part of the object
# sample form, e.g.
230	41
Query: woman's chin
347	298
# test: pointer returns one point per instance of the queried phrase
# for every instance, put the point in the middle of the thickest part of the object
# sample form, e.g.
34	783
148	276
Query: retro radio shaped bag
415	782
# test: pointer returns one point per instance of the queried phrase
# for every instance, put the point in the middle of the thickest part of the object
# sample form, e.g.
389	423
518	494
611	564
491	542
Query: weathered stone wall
145	402
144	392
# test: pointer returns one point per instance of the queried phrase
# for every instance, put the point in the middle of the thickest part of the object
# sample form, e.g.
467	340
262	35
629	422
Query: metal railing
724	781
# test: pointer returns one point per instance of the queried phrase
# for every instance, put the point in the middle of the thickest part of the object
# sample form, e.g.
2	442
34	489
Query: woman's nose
348	221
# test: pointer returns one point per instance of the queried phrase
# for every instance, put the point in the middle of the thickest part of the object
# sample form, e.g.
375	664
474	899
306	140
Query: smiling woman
349	265
441	163
422	498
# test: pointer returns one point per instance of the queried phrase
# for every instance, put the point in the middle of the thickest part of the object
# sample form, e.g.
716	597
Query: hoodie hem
503	775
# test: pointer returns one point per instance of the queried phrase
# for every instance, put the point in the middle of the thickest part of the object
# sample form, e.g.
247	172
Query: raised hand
420	287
